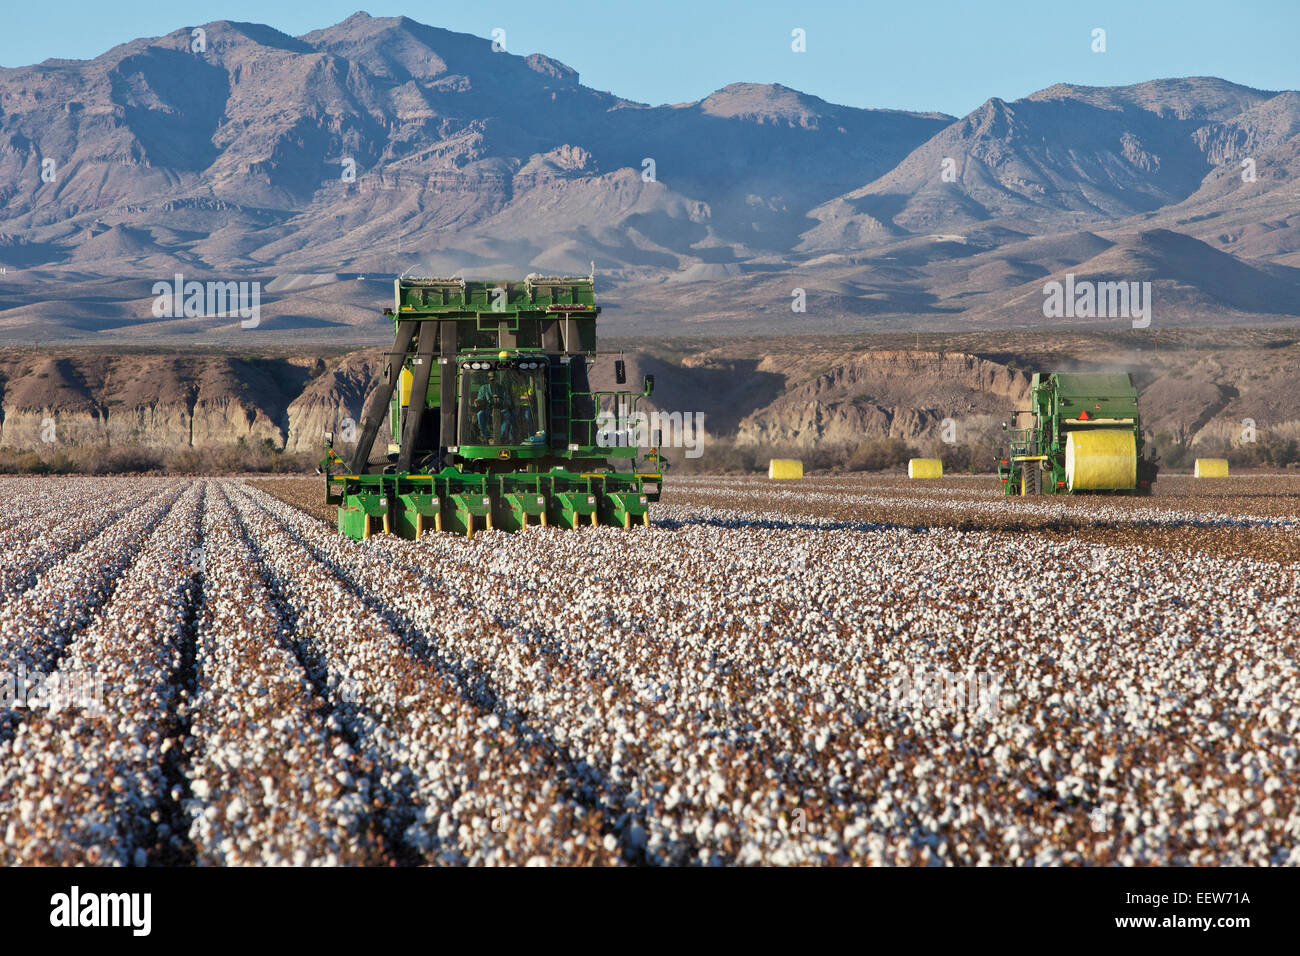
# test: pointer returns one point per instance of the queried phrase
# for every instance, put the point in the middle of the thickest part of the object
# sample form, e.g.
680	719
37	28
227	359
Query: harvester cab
1080	433
492	422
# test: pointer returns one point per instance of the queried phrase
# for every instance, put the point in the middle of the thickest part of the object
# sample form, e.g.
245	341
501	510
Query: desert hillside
803	394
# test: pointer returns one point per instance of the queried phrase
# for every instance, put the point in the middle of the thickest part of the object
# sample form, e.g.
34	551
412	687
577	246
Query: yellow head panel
404	386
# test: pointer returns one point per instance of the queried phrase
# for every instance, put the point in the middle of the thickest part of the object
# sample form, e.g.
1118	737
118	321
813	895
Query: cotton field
833	671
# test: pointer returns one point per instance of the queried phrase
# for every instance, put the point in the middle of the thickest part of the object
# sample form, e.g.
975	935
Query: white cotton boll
1046	759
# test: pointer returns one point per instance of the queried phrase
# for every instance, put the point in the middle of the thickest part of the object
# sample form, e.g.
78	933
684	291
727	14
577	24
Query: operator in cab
492	396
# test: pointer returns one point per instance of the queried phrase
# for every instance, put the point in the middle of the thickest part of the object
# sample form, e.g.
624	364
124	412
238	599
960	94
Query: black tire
1035	474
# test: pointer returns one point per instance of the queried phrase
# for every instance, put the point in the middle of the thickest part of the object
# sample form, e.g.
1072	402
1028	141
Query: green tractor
492	421
1081	433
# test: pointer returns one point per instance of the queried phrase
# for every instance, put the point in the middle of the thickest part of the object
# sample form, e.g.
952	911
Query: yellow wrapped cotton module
924	468
1211	468
1103	459
784	468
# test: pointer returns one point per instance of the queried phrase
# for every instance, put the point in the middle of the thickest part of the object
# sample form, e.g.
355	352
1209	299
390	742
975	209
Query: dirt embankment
59	399
1200	393
889	394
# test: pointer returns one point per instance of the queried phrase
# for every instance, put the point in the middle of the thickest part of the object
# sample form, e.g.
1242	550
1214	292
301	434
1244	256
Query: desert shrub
881	454
1174	454
140	459
1267	452
239	457
967	458
126	460
21	463
717	457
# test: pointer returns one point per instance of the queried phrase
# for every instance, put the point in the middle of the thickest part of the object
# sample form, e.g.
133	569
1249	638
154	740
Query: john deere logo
503	453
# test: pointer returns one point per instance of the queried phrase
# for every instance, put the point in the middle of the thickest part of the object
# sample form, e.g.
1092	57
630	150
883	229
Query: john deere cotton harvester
1081	433
492	421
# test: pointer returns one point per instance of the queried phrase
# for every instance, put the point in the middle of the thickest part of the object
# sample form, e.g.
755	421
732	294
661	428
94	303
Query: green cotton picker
1081	434
491	418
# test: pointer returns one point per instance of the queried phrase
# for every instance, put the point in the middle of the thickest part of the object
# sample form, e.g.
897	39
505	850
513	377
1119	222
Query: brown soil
305	494
957	503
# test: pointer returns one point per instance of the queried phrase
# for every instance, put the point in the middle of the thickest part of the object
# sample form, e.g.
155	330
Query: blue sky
924	54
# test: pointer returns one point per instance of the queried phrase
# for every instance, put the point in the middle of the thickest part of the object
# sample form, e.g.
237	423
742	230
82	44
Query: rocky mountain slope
382	145
264	149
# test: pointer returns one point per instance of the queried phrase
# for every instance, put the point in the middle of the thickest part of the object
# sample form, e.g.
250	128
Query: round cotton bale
1211	468
924	468
782	468
1104	459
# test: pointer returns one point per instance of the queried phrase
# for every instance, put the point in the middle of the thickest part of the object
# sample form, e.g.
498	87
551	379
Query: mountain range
322	165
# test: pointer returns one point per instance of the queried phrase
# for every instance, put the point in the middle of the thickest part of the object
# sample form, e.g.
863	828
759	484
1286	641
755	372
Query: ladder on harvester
1026	463
558	409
